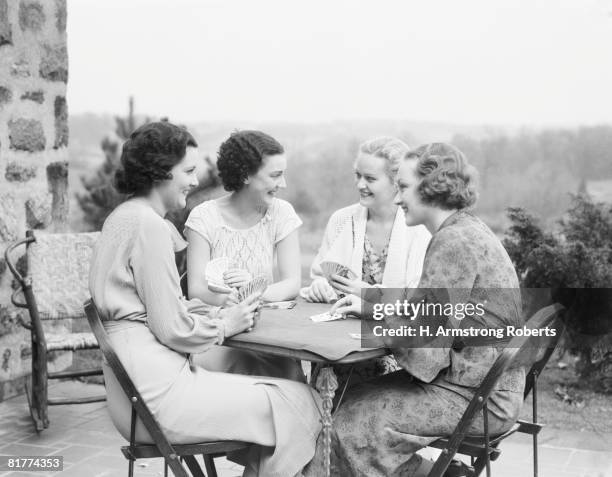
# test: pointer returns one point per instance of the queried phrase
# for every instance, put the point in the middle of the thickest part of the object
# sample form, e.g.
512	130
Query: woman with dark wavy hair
134	283
250	225
256	231
383	422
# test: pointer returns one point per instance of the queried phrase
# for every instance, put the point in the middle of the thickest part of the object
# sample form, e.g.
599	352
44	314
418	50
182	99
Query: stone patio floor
87	439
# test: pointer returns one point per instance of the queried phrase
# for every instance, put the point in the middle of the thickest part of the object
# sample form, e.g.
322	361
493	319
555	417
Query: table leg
327	384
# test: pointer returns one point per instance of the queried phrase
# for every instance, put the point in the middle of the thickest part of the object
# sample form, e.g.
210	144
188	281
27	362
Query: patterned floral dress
373	267
383	422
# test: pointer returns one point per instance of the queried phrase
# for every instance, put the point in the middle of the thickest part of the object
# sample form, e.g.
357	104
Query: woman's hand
231	298
348	286
348	305
320	291
241	317
236	277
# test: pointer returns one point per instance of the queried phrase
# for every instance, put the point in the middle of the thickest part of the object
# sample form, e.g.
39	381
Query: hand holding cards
257	285
214	275
334	268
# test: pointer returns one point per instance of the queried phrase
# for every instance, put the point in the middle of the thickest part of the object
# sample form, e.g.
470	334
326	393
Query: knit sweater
133	276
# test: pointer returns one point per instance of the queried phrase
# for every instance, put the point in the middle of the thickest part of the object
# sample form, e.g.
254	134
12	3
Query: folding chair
161	447
484	449
54	288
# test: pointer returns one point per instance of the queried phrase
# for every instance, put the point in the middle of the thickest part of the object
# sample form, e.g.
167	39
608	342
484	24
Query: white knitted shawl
343	243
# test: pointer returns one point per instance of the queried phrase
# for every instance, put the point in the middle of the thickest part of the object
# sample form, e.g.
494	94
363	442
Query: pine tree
100	196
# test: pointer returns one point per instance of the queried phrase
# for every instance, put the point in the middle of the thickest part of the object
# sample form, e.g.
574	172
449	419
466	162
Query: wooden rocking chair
53	290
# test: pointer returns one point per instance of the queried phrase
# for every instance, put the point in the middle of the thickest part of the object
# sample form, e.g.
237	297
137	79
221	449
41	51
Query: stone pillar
33	151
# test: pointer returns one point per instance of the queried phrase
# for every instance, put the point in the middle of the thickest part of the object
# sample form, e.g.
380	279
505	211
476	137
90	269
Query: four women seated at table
135	285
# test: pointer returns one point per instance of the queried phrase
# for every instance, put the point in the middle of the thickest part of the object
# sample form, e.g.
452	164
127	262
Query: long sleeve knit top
133	276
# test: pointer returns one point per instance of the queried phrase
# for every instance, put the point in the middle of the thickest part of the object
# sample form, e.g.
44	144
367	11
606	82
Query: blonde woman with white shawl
372	239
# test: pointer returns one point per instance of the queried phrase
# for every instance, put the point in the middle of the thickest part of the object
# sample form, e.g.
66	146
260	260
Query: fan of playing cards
258	284
214	274
330	268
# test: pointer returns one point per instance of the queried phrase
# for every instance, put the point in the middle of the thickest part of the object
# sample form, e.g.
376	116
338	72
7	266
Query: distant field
534	169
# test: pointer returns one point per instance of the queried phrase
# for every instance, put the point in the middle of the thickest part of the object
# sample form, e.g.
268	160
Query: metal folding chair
174	455
483	450
53	290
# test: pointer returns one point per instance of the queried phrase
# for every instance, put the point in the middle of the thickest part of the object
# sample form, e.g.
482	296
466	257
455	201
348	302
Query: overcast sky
469	61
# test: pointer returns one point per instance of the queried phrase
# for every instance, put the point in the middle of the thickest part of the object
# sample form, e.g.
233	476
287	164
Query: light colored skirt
192	404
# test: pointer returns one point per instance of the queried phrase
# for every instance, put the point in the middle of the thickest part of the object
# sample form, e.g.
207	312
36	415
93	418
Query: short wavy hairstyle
242	154
447	180
389	148
149	155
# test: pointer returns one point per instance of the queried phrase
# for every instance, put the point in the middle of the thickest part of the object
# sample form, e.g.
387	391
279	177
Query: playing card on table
280	305
356	336
327	316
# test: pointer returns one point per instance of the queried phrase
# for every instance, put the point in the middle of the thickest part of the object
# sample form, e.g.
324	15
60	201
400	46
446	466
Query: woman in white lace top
257	232
250	226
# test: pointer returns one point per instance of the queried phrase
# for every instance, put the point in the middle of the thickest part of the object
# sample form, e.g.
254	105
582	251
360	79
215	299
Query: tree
100	196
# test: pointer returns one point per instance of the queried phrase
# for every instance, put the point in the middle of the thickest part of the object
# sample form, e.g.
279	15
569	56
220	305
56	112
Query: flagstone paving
86	437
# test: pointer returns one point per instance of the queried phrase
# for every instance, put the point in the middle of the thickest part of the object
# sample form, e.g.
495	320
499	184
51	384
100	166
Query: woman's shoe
459	469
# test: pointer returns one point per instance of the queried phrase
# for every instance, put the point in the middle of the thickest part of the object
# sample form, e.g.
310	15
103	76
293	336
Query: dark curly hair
149	155
242	155
447	179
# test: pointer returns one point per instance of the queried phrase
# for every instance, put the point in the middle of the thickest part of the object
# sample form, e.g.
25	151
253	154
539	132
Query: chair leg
209	464
193	465
39	385
485	418
131	468
132	440
165	468
479	465
38	424
534	397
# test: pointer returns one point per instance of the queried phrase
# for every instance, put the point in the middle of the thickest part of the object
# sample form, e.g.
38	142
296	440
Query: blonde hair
389	148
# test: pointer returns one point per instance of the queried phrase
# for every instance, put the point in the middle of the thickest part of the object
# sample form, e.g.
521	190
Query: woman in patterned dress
372	239
383	422
255	230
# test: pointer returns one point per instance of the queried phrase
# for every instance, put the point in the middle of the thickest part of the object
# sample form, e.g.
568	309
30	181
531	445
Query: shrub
576	262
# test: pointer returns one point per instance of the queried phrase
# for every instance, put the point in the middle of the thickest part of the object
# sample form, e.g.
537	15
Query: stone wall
33	152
